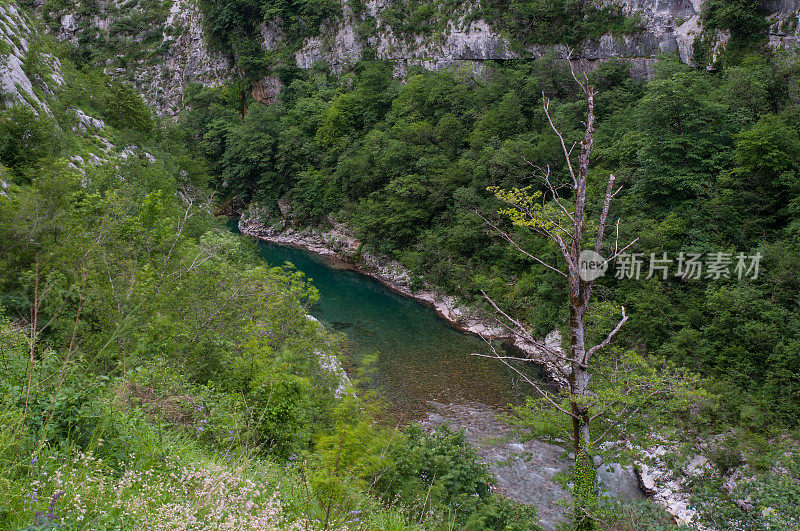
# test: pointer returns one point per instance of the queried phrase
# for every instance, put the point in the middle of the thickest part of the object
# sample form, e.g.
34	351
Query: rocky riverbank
528	471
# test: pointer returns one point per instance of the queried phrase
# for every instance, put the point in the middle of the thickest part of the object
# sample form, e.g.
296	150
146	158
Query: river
419	359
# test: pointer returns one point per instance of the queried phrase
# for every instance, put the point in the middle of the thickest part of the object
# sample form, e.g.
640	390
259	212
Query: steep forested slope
708	163
114	273
154	372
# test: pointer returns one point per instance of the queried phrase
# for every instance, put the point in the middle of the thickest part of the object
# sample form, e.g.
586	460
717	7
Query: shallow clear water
419	357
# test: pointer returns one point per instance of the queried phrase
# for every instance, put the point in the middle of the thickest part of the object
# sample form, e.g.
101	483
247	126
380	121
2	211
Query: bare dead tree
564	221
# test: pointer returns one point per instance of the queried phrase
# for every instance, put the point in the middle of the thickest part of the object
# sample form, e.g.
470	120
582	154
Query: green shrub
439	472
558	21
125	109
26	138
233	26
745	20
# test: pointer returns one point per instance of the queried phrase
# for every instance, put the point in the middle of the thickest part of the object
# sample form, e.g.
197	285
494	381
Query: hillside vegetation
154	373
708	161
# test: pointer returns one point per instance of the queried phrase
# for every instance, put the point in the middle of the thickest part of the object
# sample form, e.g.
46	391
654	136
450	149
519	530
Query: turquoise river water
419	357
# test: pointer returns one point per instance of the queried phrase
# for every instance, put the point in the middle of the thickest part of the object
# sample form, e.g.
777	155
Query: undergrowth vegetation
156	374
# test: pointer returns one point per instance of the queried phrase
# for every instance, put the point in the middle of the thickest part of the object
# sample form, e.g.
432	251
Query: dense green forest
708	162
147	353
155	373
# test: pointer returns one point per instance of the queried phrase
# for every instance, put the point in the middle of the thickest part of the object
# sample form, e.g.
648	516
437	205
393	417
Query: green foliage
683	141
633	515
773	492
161	337
442	463
558	22
248	163
780	496
584	493
166	356
437	473
745	20
132	38
418	17
25	139
125	109
405	166
760	189
634	398
233	26
350	456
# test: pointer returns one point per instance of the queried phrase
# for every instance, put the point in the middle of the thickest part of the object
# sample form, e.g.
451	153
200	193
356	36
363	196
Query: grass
151	475
160	479
179	490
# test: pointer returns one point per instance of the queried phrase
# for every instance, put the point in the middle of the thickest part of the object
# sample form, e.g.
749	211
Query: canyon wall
168	49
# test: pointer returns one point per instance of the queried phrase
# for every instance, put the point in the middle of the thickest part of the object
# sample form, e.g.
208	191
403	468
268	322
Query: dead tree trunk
564	224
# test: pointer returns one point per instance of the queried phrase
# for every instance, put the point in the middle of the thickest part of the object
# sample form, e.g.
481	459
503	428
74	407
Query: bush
125	109
439	472
557	21
233	26
26	138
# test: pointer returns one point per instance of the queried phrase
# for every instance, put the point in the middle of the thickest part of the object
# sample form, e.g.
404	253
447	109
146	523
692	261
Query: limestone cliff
24	80
159	50
33	77
167	49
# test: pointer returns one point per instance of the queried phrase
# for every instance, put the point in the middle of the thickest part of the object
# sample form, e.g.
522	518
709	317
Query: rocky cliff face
669	26
177	54
32	76
21	80
784	23
161	50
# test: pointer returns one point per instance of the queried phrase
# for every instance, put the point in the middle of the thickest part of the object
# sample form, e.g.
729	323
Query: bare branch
511	240
181	224
567	152
554	223
601	229
617	253
530	360
533	384
555	196
575	77
525	334
512	358
608	339
518	328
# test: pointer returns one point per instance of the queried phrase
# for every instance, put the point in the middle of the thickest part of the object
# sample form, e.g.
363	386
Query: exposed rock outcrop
670	26
165	67
331	364
16	87
525	471
189	59
161	68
